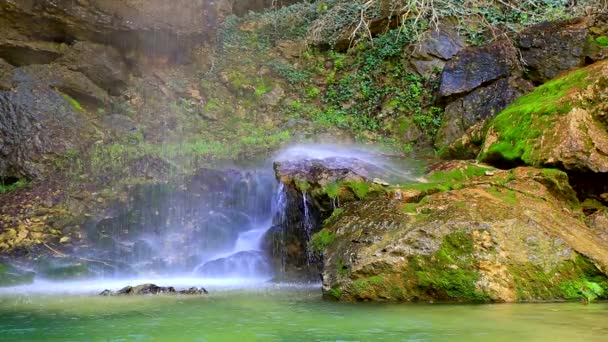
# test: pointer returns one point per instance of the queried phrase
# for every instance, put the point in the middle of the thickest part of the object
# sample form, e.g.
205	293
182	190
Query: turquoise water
287	313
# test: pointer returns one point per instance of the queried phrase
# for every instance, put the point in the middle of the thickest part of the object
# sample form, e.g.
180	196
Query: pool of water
286	313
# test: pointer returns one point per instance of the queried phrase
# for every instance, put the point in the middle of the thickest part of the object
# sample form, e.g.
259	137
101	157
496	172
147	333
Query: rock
466	146
432	52
549	49
102	64
194	291
380	182
274	97
559	124
152	289
475	66
40	117
21	53
154	28
477	106
120	124
598	221
291	49
489	238
312	188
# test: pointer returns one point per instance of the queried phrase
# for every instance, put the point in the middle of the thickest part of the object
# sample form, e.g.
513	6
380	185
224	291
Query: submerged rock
469	235
152	289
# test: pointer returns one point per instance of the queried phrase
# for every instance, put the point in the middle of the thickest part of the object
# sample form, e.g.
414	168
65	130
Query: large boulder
477	84
549	49
562	124
436	48
502	236
479	105
475	66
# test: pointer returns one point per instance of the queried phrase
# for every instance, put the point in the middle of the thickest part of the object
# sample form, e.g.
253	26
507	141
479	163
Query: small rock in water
194	291
380	182
152	289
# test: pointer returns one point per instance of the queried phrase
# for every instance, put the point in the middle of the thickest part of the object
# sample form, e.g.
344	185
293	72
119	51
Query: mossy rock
555	125
475	235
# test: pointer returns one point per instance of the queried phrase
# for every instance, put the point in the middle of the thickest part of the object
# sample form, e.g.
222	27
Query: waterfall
246	259
307	225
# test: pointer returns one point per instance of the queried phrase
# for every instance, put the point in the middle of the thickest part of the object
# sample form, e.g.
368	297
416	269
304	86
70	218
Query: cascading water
212	226
246	259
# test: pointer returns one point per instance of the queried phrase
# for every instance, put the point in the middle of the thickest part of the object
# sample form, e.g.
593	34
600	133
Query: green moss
335	292
262	88
575	279
529	117
334	216
302	185
332	190
506	195
410	208
440	181
321	240
602	41
73	102
450	273
361	189
362	285
458	175
341	269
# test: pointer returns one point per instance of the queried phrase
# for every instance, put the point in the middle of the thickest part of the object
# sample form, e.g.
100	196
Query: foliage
371	78
73	102
352	20
6	188
321	240
451	271
361	189
602	41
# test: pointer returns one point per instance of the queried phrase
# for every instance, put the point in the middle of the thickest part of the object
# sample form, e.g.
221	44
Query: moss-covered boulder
473	235
561	124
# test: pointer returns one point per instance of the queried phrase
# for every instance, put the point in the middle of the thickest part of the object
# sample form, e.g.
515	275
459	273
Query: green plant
73	102
321	240
602	41
6	188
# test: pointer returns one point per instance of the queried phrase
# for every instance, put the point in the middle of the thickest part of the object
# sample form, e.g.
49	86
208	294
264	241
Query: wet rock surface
152	289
